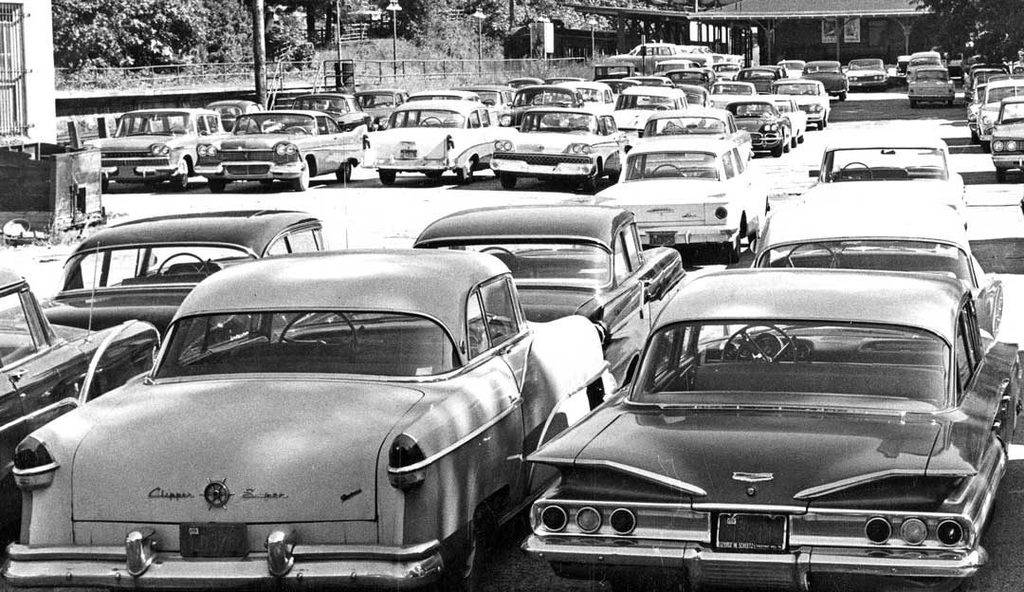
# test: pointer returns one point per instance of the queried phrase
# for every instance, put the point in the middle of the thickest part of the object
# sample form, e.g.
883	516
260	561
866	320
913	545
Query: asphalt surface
364	214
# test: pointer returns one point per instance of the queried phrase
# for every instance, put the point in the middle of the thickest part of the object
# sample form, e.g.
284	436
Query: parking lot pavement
365	214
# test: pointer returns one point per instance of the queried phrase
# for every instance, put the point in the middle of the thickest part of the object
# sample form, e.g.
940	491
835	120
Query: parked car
810	96
634	105
343	107
930	84
619	85
696	96
873	414
541	96
434	137
794	68
605	72
561	79
518	83
902	64
974	112
288	146
924	58
230	110
144	269
978	75
572	259
761	77
1008	137
677	64
652	80
446	95
990	102
704	77
559	144
306	433
829	74
50	369
902	168
723	93
867	74
646	56
700	122
597	96
689	191
797	118
726	71
154	146
770	130
496	96
379	103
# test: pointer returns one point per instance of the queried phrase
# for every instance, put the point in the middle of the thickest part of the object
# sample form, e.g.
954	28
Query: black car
761	77
829	73
541	95
572	259
144	269
344	108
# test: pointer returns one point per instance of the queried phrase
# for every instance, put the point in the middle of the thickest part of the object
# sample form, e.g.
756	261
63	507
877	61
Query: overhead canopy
811	9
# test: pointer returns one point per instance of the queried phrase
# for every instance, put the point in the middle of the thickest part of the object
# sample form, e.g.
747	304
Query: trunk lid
414	142
681	202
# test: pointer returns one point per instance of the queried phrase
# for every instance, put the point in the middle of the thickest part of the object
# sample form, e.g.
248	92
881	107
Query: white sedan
724	92
635	104
810	96
797	117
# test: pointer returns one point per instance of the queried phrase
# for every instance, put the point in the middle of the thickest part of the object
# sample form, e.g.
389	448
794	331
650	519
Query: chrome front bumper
858	84
139	174
793	570
269	170
563	169
766	141
1008	161
342	566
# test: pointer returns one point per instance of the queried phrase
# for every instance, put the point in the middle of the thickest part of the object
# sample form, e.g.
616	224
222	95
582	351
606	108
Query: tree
994	27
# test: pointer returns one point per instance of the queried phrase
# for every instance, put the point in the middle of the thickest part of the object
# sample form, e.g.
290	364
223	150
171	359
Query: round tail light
950	532
913	531
553	518
721	213
878	530
622	521
588	519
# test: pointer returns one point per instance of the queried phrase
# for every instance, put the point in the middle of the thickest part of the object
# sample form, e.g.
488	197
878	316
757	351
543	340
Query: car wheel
974	138
301	183
1001	175
777	151
464	176
507	181
344	173
387	177
589	185
216	185
793	142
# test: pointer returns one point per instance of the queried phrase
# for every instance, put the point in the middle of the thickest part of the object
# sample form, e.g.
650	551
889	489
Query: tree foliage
995	28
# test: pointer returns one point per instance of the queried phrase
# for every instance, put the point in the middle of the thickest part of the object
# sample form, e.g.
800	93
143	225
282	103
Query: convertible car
791	430
572	259
331	428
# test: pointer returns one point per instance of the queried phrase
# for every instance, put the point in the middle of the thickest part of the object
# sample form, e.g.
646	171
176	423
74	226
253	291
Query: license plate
752	532
662	239
407	154
213	539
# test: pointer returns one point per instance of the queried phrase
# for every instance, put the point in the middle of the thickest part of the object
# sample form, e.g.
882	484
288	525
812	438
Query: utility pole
259	52
512	18
337	29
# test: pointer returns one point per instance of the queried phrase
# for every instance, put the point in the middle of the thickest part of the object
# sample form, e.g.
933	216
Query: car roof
1005	83
9	278
883	140
455	93
662	91
372	280
593	223
1014	99
804	81
485	87
192	110
458	105
760	69
306	112
919	300
716	146
325	95
253	229
230	102
589	84
691	111
823	63
370	91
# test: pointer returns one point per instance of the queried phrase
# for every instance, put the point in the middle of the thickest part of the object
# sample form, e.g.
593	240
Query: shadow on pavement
1000	255
887	109
979	177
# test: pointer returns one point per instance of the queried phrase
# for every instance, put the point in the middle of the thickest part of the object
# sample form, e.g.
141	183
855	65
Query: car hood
926	190
802	452
543	304
257	141
631	118
549	141
287	450
138	143
750	124
865	73
1009	130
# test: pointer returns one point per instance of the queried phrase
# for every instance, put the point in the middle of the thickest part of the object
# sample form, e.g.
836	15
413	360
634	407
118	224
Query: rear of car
930	84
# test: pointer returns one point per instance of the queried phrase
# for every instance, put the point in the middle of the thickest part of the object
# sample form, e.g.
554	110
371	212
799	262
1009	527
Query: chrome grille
130	154
544	159
248	169
246	155
135	162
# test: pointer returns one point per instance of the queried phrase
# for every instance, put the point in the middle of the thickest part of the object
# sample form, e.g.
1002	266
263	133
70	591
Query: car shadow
1000	255
969	149
889	110
979	177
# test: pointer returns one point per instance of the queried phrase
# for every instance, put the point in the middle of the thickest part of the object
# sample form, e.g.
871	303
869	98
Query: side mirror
814	173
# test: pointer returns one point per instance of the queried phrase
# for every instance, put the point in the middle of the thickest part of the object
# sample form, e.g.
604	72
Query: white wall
38	37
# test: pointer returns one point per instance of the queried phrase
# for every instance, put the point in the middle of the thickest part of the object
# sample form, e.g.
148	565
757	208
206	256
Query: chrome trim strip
35	470
644	474
844	484
90	374
67	402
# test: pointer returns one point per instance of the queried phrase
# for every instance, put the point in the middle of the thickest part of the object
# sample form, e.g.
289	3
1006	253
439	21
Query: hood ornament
752	477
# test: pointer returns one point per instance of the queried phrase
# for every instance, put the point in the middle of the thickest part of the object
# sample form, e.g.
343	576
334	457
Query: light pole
479	16
593	46
393	8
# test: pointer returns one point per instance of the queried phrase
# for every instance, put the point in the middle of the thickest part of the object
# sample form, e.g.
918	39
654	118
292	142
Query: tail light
878	530
554	518
914	531
403	456
949	532
622	521
33	466
721	213
588	519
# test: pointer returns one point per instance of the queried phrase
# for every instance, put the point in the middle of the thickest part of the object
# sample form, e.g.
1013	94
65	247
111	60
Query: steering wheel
160	270
767	346
832	255
291	323
297	129
871	174
655	170
426	122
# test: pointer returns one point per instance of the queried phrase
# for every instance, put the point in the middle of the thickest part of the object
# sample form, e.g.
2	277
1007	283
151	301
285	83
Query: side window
16	339
964	353
608	96
502	323
323	126
485	118
730	167
602	127
610	123
622	270
732	124
474	119
740	165
278	247
475	327
302	242
203	130
628	236
214	123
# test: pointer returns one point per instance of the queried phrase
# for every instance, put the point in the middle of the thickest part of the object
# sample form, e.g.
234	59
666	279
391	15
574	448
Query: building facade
27	75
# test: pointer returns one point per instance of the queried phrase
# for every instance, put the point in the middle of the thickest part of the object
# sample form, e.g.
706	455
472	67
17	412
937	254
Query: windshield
335	104
228	111
308	342
371	101
163	123
792	88
827	67
757	75
793	64
672	165
426	118
749	359
684	126
550	263
489	97
733	89
148	265
880	255
686	77
994	95
275	123
867	65
645	102
936	75
1012	113
726	68
544	96
592	95
442	97
559	121
884	164
752	110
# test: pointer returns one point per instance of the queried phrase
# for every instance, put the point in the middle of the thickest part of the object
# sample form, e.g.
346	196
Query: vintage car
597	96
978	75
677	64
143	269
723	93
445	95
156	145
48	369
652	80
696	96
902	64
810	96
924	58
379	103
1008	138
434	137
694	76
518	83
690	191
541	96
814	430
793	68
974	111
726	71
703	122
761	77
911	237
343	107
867	74
797	118
558	144
634	105
770	129
604	72
930	84
990	102
900	167
330	429
290	146
561	79
231	109
647	56
497	96
619	85
572	259
830	74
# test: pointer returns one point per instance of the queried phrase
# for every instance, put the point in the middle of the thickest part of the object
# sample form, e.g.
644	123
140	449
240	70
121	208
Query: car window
632	250
485	119
278	247
214	123
16	341
302	242
622	270
500	311
475	326
474	119
610	125
964	354
740	166
323	127
730	167
204	129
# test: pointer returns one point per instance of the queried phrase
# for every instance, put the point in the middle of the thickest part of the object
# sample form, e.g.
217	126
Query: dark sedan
761	77
344	108
831	75
565	260
543	95
380	103
144	269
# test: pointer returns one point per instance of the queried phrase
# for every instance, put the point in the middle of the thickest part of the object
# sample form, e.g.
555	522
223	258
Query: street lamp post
393	8
479	16
593	46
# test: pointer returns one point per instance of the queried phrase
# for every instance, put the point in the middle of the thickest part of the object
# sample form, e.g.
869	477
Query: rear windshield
884	164
547	263
752	110
427	118
308	342
148	265
559	121
544	96
999	93
733	89
757	75
814	68
940	75
866	65
373	100
879	255
684	126
651	102
792	88
337	105
672	165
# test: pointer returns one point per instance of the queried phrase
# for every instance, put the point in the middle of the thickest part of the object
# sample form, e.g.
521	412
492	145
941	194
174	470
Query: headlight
503	146
815	108
160	149
578	149
986	120
972	117
997	146
770	127
207	150
506	120
1011	146
286	149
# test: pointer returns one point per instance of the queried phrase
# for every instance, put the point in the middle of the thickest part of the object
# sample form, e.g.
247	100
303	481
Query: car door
626	317
617	142
325	146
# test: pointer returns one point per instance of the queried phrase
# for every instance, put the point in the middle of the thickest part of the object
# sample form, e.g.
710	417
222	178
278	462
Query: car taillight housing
33	466
403	457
